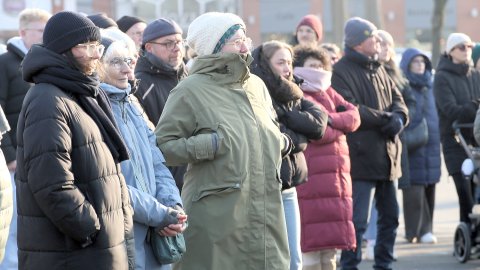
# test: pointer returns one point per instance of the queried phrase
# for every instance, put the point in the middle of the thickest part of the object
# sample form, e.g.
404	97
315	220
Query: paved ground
438	256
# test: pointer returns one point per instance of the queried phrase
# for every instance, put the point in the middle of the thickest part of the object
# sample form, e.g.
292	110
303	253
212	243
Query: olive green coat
231	191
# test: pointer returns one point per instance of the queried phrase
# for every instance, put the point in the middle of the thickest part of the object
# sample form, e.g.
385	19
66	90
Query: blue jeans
371	232
292	217
388	212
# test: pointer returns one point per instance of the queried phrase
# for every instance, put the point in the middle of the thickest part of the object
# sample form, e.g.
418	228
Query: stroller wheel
462	242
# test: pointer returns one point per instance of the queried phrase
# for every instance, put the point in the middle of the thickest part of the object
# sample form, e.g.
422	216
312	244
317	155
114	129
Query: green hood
224	67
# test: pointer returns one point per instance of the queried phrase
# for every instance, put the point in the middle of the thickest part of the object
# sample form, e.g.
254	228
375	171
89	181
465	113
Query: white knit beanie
207	29
455	39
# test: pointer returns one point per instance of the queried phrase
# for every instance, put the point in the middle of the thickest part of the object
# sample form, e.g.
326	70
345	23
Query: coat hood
411	53
281	89
16	46
223	67
446	64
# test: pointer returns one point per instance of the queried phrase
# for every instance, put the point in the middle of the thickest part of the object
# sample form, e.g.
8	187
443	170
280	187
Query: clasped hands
174	223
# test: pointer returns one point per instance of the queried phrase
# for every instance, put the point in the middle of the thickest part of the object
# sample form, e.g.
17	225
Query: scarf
94	101
314	80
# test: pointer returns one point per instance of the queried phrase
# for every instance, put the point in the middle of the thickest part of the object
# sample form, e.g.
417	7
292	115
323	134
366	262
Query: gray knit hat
358	30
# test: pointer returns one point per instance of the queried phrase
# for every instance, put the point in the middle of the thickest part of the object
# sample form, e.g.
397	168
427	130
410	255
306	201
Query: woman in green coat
220	122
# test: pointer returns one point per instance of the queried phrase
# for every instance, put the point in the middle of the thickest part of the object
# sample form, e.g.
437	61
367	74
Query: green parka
232	190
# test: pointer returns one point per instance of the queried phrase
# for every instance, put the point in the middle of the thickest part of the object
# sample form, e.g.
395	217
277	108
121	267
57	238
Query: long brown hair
269	48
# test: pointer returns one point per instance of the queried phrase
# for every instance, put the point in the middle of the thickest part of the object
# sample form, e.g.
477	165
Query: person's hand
174	229
12	166
393	126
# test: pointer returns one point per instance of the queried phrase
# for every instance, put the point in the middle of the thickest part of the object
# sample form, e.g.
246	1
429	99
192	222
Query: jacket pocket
217	191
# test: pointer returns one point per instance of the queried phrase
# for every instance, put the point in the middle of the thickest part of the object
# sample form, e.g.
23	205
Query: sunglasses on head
463	47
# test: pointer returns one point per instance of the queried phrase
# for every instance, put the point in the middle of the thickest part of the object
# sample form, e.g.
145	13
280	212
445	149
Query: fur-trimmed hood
281	89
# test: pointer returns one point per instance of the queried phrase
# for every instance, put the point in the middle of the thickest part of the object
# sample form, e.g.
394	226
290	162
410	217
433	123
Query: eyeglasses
463	47
92	48
117	62
169	45
237	43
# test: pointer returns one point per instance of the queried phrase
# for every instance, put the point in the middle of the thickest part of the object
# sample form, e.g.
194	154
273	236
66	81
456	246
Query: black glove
468	113
394	126
341	108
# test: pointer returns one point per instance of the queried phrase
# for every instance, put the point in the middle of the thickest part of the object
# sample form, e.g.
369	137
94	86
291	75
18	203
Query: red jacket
325	201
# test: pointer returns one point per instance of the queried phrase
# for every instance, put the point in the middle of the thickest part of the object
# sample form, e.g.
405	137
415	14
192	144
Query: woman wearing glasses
74	210
220	121
152	189
457	95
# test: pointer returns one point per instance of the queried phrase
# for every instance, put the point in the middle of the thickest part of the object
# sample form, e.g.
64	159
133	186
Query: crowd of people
268	157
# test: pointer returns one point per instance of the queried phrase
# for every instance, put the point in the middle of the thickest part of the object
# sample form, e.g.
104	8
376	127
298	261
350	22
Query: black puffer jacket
12	92
455	87
365	83
299	118
69	188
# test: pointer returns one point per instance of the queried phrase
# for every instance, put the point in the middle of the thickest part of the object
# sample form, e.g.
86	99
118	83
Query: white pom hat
455	39
207	29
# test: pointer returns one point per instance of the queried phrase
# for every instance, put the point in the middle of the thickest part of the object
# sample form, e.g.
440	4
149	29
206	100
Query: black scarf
94	101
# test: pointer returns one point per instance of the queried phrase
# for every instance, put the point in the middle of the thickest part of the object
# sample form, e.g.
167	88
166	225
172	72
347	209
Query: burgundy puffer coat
325	201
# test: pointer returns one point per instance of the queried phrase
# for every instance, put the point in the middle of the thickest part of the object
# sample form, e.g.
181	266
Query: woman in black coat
299	118
457	93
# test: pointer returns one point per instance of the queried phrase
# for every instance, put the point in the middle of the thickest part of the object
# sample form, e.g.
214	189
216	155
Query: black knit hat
67	29
102	20
125	22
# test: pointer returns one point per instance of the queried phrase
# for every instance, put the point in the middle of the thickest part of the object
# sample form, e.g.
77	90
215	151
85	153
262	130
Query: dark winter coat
156	80
424	162
455	87
365	83
73	206
299	118
12	92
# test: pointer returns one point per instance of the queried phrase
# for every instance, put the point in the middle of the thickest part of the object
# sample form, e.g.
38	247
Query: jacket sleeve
310	120
167	190
48	166
6	145
348	120
370	118
177	136
331	135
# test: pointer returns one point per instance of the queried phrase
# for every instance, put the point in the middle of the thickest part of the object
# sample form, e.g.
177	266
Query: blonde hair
30	15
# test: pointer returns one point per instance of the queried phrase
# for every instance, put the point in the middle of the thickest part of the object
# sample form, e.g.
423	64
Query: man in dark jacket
375	148
74	210
159	68
12	92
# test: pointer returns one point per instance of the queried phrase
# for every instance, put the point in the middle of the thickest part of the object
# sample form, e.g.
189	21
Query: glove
469	111
394	126
340	108
170	218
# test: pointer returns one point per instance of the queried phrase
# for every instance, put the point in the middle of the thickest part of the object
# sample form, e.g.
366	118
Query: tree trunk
339	12
437	25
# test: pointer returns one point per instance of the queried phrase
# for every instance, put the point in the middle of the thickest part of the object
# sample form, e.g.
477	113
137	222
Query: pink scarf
314	80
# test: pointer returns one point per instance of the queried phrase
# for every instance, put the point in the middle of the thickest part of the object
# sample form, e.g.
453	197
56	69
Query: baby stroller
466	240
